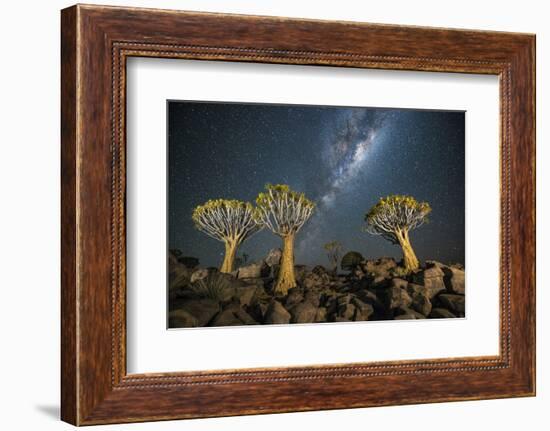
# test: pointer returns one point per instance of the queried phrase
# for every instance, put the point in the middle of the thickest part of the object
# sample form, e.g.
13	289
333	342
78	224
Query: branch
226	220
282	210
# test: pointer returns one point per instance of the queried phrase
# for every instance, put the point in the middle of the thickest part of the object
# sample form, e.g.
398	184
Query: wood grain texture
69	397
96	41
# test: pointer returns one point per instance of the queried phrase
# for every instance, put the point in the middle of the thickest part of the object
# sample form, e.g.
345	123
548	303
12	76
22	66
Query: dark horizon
343	158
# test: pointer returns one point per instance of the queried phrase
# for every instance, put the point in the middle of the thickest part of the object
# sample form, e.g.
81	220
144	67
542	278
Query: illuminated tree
334	250
284	212
228	221
393	217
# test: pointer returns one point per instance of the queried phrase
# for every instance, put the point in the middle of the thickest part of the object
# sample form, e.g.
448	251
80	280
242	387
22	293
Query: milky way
344	159
348	146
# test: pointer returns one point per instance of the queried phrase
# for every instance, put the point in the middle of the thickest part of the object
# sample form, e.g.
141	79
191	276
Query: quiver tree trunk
229	259
410	260
286	279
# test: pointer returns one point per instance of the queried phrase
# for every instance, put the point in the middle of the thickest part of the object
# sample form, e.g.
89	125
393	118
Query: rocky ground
371	290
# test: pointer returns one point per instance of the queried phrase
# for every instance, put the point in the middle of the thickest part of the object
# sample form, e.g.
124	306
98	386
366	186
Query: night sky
342	158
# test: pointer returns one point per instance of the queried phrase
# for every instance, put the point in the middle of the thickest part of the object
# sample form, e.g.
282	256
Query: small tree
393	217
284	212
228	221
334	250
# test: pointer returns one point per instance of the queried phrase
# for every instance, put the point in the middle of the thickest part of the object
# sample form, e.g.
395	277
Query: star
342	158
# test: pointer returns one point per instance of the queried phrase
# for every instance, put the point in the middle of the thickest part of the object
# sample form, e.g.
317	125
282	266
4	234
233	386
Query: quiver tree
393	217
334	250
284	212
228	221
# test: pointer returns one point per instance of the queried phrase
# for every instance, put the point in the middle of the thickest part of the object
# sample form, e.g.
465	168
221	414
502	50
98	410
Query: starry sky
343	158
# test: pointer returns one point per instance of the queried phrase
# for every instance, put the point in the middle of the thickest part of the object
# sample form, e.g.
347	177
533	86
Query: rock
347	311
181	319
332	307
254	270
320	270
189	262
300	272
431	278
226	318
441	313
312	280
343	299
408	316
399	271
178	274
321	315
258	310
304	312
363	310
294	297
199	274
202	309
404	313
244	317
358	273
430	292
271	263
434	269
422	304
435	263
258	283
399	282
233	315
453	303
369	297
313	297
414	289
341	319
273	257
379	267
244	294
381	281
454	280
393	297
276	314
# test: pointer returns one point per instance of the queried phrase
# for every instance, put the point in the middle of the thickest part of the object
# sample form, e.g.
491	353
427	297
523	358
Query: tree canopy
393	217
394	214
282	210
225	219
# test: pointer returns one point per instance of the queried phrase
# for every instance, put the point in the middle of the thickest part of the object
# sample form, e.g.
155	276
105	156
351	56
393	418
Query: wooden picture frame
95	43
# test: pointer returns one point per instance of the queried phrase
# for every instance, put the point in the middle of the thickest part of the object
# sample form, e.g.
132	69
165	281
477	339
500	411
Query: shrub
350	260
213	286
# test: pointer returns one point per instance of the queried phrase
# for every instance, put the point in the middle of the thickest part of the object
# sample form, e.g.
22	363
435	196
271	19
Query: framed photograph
331	214
290	256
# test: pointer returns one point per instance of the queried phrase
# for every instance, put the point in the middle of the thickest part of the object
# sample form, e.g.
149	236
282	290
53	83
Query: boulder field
376	289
